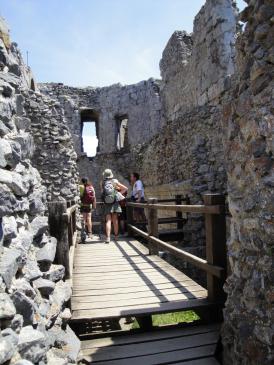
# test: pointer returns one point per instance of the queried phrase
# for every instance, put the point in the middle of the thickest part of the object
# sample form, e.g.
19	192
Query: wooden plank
85	298
152	284
154	347
148	276
120	261
127	284
203	361
163	358
121	243
146	309
129	290
78	305
149	336
157	264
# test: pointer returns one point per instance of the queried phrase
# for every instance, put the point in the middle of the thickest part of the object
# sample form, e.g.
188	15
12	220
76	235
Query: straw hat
107	174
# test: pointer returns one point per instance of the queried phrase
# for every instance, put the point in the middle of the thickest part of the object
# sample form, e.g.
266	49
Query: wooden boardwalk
188	346
121	279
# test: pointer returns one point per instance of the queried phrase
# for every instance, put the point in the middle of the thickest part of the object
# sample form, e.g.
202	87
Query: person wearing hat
112	191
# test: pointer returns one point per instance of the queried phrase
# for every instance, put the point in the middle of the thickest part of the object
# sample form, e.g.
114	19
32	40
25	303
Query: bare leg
115	224
108	226
85	220
89	223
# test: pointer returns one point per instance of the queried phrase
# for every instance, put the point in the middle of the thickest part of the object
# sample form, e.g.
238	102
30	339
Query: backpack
88	196
109	192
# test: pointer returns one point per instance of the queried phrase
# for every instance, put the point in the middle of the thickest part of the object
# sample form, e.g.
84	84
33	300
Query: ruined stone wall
54	155
195	67
33	295
248	122
140	103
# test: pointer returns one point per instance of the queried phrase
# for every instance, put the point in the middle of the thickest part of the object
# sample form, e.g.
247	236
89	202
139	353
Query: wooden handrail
177	252
215	223
71	209
200	209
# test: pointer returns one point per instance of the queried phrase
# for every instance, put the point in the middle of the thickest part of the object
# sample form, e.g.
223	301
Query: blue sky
96	42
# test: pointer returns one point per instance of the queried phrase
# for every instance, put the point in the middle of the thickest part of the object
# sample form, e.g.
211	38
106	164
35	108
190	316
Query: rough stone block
17	323
24	286
32	344
70	343
23	241
5	152
7	308
47	253
14	181
9	263
31	270
10	227
45	286
39	226
7	349
24	306
55	273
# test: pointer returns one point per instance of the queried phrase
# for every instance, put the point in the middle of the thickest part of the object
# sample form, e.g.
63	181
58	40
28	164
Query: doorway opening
121	131
89	132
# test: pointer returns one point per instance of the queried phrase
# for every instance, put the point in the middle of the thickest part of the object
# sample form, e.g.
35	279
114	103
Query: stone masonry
248	124
33	295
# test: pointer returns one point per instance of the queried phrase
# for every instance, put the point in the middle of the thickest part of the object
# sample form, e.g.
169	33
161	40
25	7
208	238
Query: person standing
112	191
88	201
137	196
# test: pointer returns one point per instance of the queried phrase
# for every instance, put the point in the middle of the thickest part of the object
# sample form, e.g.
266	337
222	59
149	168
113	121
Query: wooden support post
153	226
58	227
179	215
145	322
215	225
129	219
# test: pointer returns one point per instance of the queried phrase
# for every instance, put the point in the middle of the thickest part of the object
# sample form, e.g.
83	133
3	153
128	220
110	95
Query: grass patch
171	318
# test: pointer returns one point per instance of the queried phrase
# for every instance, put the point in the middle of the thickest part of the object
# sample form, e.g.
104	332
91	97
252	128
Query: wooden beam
215	245
152	226
199	209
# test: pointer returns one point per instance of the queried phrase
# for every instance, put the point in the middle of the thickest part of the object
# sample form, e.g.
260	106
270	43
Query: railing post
152	226
58	227
179	215
215	225
129	211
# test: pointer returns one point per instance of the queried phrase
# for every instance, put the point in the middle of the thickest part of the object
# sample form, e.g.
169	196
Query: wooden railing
215	226
62	225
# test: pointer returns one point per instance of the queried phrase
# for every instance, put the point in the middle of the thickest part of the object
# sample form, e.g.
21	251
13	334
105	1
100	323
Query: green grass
171	318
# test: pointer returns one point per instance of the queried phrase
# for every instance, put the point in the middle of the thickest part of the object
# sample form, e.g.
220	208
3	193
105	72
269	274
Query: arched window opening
121	131
90	136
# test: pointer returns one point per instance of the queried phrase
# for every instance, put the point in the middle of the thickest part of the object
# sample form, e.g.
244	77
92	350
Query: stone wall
33	295
54	155
194	68
248	122
140	103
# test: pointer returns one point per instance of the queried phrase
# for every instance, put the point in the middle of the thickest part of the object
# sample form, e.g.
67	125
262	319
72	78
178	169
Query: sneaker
107	240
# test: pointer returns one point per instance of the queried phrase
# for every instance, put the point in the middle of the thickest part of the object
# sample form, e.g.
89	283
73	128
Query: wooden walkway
121	279
188	346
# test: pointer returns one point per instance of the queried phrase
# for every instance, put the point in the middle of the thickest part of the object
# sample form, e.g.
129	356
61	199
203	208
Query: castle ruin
205	126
